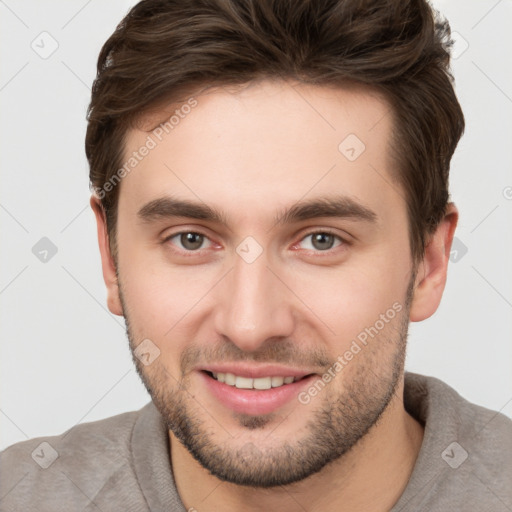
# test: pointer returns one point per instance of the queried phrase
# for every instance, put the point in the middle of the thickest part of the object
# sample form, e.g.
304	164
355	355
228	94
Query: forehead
271	104
270	139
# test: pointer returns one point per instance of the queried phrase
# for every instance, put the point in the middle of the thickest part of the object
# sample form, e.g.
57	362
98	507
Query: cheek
347	299
166	303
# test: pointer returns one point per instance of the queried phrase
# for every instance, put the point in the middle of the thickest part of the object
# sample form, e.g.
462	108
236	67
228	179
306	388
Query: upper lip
254	372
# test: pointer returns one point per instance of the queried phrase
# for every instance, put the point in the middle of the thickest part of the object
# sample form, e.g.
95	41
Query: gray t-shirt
122	463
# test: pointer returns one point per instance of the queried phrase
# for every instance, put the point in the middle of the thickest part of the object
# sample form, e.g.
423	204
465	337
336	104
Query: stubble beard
338	420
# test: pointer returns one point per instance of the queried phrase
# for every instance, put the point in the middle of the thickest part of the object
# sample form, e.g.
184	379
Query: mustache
279	352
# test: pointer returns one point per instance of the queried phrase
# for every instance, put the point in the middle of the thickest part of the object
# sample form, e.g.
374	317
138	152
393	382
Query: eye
322	241
190	240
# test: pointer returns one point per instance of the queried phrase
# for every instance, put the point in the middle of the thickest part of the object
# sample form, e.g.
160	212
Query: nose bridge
253	306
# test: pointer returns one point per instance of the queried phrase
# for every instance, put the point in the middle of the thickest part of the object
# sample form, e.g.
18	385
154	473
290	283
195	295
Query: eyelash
189	253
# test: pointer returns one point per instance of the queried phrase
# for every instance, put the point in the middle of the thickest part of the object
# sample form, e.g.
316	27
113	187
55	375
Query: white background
65	358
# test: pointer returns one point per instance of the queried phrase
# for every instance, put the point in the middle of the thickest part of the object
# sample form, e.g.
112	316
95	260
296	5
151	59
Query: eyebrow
167	207
338	207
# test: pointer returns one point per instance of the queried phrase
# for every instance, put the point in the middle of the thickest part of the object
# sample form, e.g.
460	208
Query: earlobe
107	261
432	271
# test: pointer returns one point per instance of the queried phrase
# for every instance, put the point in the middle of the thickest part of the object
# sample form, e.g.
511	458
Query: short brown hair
399	47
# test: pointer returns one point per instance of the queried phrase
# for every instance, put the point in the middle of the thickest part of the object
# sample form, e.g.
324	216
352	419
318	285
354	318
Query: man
228	142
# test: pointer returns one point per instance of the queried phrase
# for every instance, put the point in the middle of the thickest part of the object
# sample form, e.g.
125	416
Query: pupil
191	240
321	238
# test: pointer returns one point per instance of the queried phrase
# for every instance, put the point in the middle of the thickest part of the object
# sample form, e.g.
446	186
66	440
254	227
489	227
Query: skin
252	153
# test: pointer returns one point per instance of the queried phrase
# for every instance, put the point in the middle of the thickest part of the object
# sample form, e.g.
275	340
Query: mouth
259	395
260	383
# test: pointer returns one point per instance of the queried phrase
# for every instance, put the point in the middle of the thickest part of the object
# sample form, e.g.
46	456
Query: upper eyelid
309	233
342	239
168	237
328	231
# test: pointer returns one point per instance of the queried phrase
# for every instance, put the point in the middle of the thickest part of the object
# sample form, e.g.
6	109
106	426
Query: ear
107	261
431	276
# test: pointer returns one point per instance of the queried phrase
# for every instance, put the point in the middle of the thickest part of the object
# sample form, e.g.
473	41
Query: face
263	243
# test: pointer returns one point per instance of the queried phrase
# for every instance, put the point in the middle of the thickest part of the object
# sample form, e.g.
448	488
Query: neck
370	477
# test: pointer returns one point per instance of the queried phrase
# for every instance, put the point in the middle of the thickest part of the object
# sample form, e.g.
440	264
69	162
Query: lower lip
252	401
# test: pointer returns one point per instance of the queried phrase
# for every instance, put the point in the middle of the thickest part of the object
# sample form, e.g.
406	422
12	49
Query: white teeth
243	383
262	383
277	381
247	383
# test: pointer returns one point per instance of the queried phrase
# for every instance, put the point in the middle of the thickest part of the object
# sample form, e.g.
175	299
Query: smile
248	383
255	395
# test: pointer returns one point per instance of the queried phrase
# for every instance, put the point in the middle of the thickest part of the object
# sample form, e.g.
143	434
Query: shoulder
67	468
90	440
466	456
431	397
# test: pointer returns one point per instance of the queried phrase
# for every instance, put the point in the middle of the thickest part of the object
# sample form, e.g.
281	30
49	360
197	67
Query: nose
253	305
